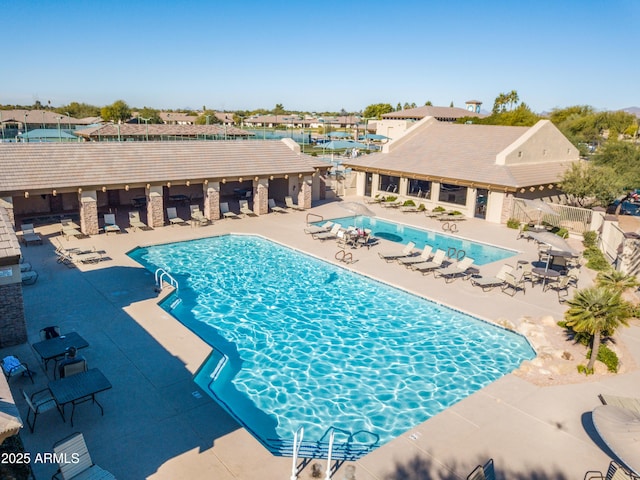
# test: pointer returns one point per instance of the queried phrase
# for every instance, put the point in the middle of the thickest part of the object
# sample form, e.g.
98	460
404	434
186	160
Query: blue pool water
481	253
307	343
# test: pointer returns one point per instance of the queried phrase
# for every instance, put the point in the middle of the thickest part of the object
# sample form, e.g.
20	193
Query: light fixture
255	179
550	186
299	175
206	182
104	189
54	193
188	183
26	194
532	189
541	187
286	177
271	177
240	179
522	190
168	184
79	190
126	188
148	186
224	180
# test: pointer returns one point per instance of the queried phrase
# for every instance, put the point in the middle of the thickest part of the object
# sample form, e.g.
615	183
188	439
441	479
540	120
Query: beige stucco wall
542	143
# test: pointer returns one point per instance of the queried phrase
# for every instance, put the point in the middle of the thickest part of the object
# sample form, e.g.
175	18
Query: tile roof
141	130
468	153
9	246
38	117
431	111
28	166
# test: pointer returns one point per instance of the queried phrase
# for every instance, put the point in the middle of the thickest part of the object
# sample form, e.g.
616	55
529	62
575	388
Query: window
419	188
453	194
388	184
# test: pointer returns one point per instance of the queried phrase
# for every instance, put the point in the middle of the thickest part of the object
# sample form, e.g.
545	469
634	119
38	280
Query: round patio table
545	274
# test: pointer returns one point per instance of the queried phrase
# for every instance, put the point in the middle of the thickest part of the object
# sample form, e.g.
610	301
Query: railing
319	218
297	441
454	253
574	219
162	275
450	227
344	256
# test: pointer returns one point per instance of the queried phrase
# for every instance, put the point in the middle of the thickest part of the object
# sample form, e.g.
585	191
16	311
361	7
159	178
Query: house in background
475	169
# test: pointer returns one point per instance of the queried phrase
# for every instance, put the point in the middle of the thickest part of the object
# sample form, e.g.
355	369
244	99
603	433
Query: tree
278	109
398	107
79	110
118	111
451	104
513	99
623	159
428	103
616	280
377	110
150	114
596	311
208	117
591	184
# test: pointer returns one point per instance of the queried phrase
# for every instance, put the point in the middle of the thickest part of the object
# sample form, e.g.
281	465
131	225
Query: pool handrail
160	275
320	218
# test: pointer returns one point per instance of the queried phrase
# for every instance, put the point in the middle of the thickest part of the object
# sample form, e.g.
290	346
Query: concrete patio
158	424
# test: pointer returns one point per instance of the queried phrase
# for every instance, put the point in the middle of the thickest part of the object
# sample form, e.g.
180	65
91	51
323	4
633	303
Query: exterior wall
495	203
261	196
322	186
391	128
88	213
13	329
212	201
304	192
543	142
361	180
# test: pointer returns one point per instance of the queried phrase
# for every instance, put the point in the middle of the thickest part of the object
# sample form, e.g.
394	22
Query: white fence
575	219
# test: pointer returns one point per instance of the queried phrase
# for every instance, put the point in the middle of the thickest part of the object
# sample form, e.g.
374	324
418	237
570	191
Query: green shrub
589	238
562	232
596	259
392	198
513	223
456	212
409	203
609	358
421	207
585	370
439	209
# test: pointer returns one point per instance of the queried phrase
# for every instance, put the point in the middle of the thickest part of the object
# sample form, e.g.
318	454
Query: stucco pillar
89	212
375	184
261	196
212	201
435	192
470	202
304	192
155	207
322	188
361	180
403	186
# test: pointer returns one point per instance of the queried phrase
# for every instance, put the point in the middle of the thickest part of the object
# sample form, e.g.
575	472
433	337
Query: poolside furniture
37	403
226	213
110	225
197	217
427	267
614	472
77	366
424	256
407	251
12	367
55	348
172	215
394	204
25	266
455	270
135	222
47	333
325	227
409	209
245	210
79	388
288	201
75	446
71	257
630	403
376	199
330	235
483	472
275	208
29	234
619	428
69	229
29	278
489	283
560	285
513	284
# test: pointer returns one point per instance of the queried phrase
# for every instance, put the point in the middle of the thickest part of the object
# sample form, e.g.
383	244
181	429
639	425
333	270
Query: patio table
79	388
545	274
56	348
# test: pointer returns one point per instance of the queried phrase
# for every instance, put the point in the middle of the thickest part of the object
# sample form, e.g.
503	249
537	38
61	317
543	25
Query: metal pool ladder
162	275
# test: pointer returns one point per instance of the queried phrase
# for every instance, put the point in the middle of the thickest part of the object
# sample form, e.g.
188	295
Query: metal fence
575	219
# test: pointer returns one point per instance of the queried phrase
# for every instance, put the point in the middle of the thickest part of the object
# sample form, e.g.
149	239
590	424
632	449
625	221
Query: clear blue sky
320	55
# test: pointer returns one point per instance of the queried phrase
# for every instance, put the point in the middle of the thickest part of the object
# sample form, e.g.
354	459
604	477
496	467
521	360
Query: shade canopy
373	136
357	208
342	145
619	428
552	240
339	135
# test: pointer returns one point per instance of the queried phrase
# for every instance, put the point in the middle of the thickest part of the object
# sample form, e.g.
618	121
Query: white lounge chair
427	267
74	447
110	225
288	201
325	227
245	210
330	235
455	270
173	217
424	256
407	251
488	283
197	216
29	234
275	208
226	213
69	229
135	222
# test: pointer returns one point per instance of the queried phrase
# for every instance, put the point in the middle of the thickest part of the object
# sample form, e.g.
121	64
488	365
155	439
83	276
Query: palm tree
616	280
597	311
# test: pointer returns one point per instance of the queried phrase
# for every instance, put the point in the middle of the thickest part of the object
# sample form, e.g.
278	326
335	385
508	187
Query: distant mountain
633	111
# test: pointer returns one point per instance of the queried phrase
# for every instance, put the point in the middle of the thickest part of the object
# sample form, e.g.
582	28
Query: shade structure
539	207
619	428
373	136
357	208
339	135
10	425
342	145
553	241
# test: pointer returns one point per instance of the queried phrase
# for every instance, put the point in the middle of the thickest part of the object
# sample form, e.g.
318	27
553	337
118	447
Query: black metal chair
39	402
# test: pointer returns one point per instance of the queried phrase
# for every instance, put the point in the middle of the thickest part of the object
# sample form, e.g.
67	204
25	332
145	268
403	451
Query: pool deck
158	424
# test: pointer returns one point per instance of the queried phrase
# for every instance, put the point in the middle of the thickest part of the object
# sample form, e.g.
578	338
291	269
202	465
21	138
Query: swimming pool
301	342
481	253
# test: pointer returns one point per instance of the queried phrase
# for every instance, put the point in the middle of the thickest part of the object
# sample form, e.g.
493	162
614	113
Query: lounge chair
435	263
489	283
407	251
12	367
325	227
29	235
424	256
394	204
330	235
71	257
376	199
513	284
197	217
245	210
409	208
288	201
226	213
110	225
629	403
561	286
433	213
455	270
39	402
275	208
135	222
173	217
614	472
74	447
483	472
69	229
29	278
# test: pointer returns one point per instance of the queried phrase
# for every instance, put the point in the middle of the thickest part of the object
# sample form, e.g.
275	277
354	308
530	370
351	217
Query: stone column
89	212
155	207
13	328
212	201
261	196
322	191
7	203
304	192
